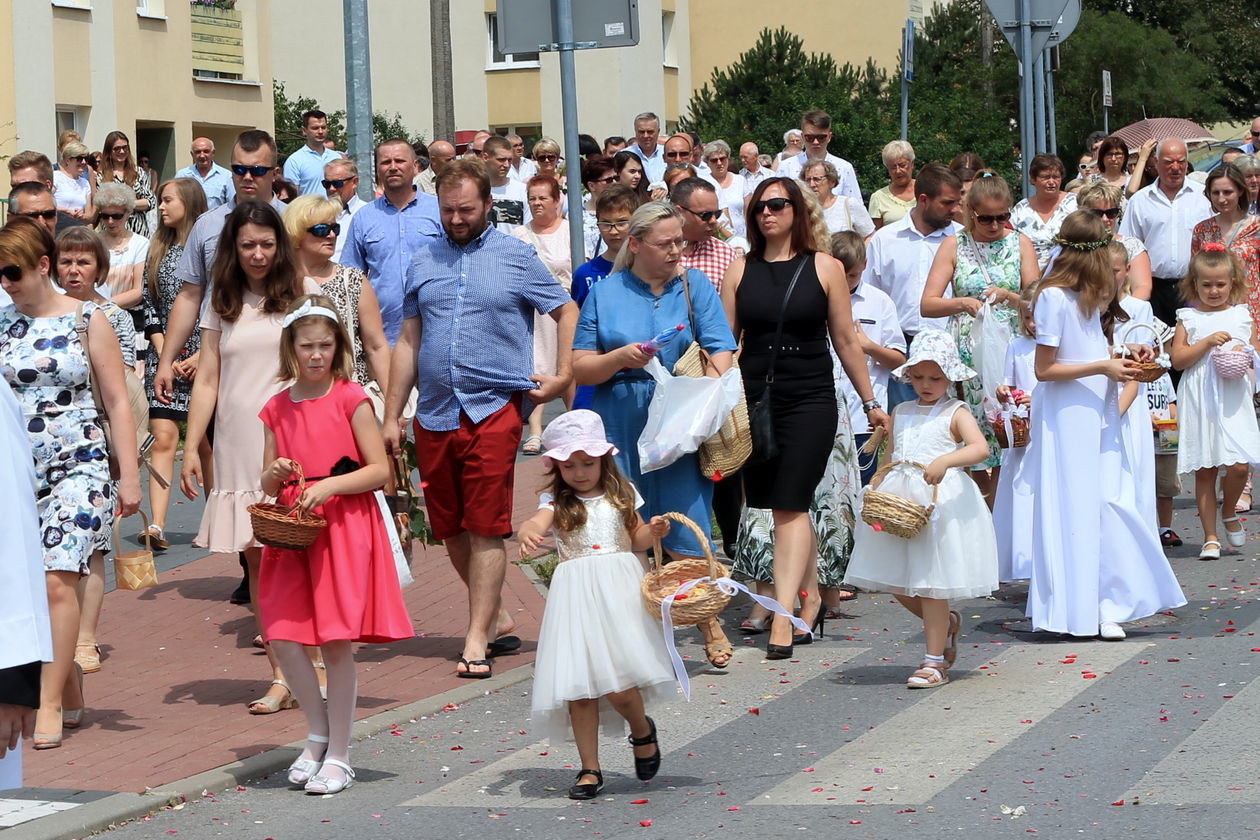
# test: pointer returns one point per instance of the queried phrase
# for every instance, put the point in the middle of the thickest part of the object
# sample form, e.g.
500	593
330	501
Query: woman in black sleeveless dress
786	238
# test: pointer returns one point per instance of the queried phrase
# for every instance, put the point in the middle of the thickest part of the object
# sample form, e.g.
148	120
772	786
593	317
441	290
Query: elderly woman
548	232
128	250
50	365
789	274
1249	167
840	212
1113	161
118	166
987	260
72	184
311	223
793	145
1040	216
546	154
891	202
730	187
1107	202
647	292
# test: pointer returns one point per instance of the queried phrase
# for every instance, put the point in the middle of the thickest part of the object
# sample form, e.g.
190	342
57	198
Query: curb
113	811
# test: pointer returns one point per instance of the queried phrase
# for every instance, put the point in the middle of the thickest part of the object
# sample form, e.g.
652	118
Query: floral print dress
979	266
156	310
1041	231
1244	242
44	362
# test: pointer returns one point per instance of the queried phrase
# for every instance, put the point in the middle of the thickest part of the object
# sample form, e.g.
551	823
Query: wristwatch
870	405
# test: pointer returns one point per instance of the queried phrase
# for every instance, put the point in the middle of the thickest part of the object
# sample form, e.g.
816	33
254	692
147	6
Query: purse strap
81	327
778	328
705	358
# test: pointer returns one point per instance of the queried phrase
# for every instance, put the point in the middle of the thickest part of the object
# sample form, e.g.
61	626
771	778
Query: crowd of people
295	335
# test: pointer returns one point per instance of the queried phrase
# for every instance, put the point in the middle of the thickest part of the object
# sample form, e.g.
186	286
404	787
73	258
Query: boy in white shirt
1161	399
879	333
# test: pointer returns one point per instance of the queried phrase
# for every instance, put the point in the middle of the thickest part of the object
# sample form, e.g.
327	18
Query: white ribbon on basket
730	587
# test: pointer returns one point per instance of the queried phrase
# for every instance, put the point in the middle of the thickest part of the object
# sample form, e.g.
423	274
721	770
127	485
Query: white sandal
301	771
321	784
1213	553
1235	538
929	675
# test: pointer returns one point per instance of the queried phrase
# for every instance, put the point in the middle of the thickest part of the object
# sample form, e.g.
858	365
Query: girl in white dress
601	657
1011	511
1095	561
1218	423
955	555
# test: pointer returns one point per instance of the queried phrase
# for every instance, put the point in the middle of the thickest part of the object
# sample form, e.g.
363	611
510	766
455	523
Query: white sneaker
1110	631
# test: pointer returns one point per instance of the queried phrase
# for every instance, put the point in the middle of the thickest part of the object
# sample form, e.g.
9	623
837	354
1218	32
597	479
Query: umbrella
1163	128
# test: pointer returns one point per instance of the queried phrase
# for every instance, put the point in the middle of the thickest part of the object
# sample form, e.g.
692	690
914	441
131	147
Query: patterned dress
156	311
1001	260
44	362
343	289
1041	231
1244	242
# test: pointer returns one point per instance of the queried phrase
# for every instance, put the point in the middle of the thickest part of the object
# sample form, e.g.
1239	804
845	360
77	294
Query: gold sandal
715	649
88	657
930	675
270	704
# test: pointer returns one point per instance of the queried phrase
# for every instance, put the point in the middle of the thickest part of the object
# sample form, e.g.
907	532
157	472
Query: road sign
1107	102
1044	18
907	51
1068	20
525	25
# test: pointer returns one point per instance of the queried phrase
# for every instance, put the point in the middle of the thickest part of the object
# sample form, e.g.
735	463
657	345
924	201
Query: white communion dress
1011	513
1138	433
596	637
955	555
1095	557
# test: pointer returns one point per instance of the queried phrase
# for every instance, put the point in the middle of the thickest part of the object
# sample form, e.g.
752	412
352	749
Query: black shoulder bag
760	417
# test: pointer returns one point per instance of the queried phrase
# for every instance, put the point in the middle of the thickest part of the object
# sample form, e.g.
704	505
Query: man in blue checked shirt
468	308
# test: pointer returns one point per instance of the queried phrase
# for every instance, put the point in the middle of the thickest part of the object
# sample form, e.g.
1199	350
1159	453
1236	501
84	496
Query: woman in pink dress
252	283
343	588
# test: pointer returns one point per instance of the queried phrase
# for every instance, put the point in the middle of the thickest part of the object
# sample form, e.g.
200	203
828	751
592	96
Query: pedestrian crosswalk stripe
520	779
914	755
1207	768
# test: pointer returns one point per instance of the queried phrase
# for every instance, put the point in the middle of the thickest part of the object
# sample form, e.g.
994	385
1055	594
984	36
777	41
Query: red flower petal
639	802
645	823
754	711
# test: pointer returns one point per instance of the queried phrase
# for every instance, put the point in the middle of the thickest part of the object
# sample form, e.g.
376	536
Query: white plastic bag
685	412
990	336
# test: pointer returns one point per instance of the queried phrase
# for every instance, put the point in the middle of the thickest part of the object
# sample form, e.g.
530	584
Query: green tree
288	122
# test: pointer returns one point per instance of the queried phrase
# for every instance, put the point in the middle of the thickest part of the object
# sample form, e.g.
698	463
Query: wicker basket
728	450
1019	428
699	604
286	527
134	569
1149	371
1231	364
893	514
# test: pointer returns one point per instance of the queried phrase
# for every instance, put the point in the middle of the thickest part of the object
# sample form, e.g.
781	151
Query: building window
496	60
218	42
71	118
151	8
670	52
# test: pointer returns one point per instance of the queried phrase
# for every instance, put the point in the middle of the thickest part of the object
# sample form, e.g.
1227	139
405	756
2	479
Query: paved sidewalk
179	669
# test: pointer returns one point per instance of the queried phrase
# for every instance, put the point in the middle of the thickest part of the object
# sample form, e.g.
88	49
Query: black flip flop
469	675
503	645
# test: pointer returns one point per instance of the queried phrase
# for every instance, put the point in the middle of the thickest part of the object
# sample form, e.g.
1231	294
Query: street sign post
563	26
1107	100
907	75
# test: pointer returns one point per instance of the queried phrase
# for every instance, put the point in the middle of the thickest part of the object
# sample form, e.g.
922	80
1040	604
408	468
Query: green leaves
288	120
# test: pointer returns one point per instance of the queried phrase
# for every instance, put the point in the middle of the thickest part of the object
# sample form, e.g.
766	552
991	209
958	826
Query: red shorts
468	473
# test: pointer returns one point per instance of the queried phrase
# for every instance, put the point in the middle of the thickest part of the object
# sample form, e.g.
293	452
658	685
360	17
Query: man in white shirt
1163	215
816	128
900	255
510	205
341	180
215	180
647	129
522	167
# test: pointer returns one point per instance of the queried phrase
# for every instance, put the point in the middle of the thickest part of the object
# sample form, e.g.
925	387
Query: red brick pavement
179	670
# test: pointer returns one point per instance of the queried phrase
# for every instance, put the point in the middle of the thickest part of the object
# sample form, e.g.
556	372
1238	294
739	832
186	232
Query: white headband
309	308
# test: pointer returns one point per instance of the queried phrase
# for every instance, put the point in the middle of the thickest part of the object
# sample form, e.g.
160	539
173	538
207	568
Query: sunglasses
1084	167
611	179
241	170
39	214
815	138
114	216
80	158
12	273
996	219
678	155
775	205
334	183
121	149
546	158
1255	134
704	215
323	230
719	159
1109	212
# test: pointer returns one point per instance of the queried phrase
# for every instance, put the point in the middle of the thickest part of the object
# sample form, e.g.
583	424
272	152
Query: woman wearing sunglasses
118	166
1107	201
985	261
72	184
789	274
547	156
127	249
311	222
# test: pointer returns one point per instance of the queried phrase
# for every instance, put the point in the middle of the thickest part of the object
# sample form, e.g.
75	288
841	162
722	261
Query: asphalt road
1036	735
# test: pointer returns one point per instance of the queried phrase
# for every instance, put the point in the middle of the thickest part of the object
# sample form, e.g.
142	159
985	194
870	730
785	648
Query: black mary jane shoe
587	791
646	768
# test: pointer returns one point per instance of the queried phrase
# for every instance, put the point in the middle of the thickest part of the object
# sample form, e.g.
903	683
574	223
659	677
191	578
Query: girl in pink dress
344	587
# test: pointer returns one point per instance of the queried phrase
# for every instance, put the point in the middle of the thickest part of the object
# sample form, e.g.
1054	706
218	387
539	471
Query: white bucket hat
933	345
575	431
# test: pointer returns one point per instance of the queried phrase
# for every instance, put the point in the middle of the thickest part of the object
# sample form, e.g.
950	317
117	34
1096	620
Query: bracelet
870	405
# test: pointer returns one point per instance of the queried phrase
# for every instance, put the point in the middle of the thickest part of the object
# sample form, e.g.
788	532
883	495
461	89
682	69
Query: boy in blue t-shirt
613	209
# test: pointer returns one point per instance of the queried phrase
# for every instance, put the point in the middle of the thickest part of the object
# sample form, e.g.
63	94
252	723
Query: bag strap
81	327
691	320
981	260
778	329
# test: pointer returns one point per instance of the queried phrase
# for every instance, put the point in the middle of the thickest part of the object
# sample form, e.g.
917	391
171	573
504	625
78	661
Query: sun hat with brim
575	431
933	345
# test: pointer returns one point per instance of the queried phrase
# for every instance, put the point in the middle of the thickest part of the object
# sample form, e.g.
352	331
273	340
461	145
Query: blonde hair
642	221
1084	266
818	237
1117	249
545	146
307	210
849	248
987	186
342	366
1215	257
73	149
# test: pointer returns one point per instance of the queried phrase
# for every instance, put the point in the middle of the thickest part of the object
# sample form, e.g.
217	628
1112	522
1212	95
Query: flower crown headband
1213	246
308	308
1082	246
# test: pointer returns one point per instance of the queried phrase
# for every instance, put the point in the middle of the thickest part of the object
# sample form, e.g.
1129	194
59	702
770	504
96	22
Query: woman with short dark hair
1040	216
